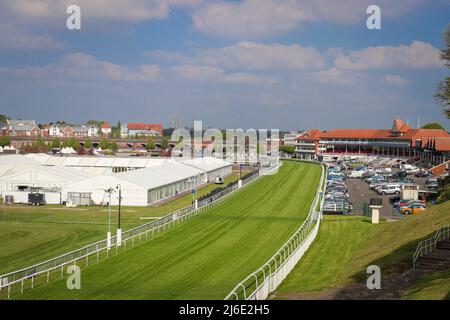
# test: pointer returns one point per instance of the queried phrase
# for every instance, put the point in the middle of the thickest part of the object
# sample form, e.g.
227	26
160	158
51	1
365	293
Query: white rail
259	284
146	231
429	245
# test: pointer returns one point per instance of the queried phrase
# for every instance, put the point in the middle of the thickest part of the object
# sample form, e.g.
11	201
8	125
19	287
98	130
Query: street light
119	230
108	239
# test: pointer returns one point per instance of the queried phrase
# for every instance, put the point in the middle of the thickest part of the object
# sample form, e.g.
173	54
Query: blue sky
288	64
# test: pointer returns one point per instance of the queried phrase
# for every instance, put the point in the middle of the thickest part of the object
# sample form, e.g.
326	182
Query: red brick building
399	141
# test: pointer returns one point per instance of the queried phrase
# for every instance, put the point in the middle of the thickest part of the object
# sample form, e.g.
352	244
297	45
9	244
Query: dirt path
393	287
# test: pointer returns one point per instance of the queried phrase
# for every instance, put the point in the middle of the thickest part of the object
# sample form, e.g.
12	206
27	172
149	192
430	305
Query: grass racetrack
207	256
346	245
31	234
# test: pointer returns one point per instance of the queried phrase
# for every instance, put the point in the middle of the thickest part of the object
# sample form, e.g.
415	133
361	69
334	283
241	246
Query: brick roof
145	126
105	125
399	131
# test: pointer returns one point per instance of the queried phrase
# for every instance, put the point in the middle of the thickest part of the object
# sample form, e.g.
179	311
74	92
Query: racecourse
31	235
207	256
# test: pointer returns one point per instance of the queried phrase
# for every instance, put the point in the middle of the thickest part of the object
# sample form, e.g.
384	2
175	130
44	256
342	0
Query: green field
207	256
34	234
345	247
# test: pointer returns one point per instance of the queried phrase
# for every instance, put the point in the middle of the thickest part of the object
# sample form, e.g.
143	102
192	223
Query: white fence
30	277
259	284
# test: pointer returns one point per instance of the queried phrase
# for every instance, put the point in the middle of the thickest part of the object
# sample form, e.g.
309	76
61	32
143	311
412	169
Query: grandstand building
399	141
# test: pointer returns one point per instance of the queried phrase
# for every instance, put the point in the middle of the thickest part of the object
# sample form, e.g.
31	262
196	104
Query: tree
97	123
74	144
4	141
56	144
114	146
104	144
287	149
433	125
150	144
88	144
164	143
3	120
442	95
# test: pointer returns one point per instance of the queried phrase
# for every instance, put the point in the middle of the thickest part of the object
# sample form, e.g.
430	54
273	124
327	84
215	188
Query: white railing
259	284
28	276
429	245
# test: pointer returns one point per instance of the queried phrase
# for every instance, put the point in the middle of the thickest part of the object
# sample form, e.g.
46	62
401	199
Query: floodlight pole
120	203
119	230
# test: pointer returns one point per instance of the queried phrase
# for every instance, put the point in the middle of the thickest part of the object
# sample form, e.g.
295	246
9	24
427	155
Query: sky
286	64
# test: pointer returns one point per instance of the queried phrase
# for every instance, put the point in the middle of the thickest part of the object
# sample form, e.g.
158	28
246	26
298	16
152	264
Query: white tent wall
40	177
132	194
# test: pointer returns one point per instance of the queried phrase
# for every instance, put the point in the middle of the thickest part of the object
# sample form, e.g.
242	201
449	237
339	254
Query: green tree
97	123
104	144
65	144
151	144
5	141
88	144
433	125
3	120
164	143
74	144
56	143
114	146
443	88
287	149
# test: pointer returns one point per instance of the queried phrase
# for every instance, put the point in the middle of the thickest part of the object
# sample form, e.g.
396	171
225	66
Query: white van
356	174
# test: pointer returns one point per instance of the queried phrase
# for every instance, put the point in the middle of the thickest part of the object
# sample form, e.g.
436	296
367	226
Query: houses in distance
29	128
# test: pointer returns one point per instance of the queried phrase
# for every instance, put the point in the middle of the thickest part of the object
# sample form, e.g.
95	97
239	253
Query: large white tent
143	181
39	177
140	187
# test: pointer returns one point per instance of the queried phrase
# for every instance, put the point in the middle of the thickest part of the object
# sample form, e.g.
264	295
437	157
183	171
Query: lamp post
119	229
108	237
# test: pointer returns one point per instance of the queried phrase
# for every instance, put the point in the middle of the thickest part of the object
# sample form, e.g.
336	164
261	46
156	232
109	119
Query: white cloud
18	38
396	80
337	76
262	18
418	55
83	67
214	74
247	55
130	10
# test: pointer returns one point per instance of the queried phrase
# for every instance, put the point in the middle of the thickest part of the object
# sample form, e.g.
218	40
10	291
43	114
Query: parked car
374	185
356	174
414	208
388	189
432	183
422	174
404	203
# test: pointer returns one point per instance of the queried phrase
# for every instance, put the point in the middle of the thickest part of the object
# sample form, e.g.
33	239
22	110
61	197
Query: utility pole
108	237
119	229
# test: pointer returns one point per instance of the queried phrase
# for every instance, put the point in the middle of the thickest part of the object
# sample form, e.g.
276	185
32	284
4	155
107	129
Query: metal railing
259	284
429	245
28	276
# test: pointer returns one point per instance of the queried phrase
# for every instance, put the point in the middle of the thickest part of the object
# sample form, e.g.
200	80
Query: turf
434	286
207	256
31	235
345	247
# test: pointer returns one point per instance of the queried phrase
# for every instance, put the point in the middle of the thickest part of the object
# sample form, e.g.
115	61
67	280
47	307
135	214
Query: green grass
207	256
26	243
434	286
31	235
131	216
347	245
